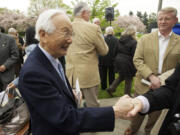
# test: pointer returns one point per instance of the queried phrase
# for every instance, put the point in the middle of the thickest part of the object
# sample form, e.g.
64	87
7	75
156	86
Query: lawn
119	91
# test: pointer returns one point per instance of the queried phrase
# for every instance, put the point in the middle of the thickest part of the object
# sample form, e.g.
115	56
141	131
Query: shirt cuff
145	103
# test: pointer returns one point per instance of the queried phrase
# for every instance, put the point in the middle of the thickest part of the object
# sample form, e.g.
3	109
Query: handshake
127	107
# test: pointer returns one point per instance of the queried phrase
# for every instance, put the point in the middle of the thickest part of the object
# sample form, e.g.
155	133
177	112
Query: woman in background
123	61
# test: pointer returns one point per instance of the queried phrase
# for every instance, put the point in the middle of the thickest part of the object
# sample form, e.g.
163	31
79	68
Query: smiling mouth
65	47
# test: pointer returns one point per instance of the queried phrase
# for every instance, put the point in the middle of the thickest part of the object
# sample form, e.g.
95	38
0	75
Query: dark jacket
108	59
167	96
8	56
52	105
123	54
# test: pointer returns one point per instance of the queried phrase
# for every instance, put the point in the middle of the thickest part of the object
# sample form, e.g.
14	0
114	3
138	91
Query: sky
124	6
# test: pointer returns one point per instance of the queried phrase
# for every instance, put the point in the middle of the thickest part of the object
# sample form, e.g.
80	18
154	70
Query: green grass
119	90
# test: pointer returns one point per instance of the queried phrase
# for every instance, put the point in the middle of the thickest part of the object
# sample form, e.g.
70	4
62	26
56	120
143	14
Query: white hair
44	21
80	7
96	20
109	30
12	30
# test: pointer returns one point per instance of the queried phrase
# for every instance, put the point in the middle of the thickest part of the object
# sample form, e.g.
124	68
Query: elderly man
47	92
8	57
156	53
82	55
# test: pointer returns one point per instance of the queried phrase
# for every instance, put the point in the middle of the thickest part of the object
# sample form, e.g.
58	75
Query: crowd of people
57	57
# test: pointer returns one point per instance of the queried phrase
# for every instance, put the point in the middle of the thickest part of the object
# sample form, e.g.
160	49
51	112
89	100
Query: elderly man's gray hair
109	30
80	7
44	21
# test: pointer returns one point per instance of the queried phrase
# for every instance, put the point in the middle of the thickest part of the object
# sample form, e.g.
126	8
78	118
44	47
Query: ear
83	13
42	35
176	20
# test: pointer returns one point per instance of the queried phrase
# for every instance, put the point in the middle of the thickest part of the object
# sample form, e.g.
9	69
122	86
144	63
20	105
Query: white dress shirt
163	43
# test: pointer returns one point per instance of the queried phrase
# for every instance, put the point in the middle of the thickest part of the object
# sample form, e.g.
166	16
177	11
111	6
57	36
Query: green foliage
131	13
118	31
36	6
138	35
148	20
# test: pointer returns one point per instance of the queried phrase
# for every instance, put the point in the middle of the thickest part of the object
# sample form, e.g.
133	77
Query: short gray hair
169	10
109	30
80	7
44	21
96	19
12	31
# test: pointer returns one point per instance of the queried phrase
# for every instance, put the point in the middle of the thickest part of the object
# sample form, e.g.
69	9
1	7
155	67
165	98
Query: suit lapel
171	44
156	46
51	69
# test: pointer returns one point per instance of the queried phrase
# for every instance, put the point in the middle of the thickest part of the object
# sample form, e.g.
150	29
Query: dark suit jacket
8	57
52	106
167	96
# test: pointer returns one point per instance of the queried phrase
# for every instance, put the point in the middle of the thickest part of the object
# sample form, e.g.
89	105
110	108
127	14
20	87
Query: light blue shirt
54	62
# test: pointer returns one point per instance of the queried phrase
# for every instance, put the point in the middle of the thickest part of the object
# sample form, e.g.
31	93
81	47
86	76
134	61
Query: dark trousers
117	81
104	70
3	85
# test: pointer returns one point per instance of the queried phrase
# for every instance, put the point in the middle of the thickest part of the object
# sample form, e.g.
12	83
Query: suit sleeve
138	60
164	96
14	54
100	43
51	104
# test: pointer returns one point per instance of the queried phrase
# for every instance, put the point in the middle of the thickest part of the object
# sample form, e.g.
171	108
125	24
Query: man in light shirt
156	53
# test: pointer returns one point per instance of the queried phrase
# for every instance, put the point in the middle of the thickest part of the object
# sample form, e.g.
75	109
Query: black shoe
84	104
109	91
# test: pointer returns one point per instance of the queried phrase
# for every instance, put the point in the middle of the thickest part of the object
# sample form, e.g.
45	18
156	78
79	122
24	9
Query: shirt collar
160	35
53	60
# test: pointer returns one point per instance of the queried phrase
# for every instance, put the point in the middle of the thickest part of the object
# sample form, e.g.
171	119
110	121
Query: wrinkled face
166	21
57	43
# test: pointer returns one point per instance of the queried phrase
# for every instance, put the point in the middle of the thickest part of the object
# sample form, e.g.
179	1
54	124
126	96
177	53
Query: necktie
61	71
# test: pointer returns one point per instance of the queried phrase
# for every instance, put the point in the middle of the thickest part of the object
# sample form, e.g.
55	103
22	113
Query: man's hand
155	82
138	106
123	106
2	68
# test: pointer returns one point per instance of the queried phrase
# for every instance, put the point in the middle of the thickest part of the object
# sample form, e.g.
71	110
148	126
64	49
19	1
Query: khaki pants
91	96
138	119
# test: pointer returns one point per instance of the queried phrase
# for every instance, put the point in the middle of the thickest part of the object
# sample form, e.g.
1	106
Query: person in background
123	60
156	53
106	67
8	57
13	32
45	89
97	21
31	43
82	55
